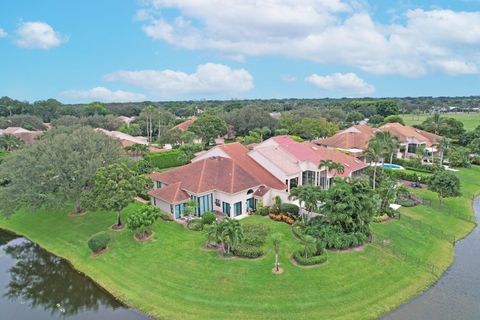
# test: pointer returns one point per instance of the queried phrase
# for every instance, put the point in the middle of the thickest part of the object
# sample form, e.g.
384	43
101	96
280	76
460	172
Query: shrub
209	217
381	218
99	241
165	216
333	237
409	176
196	225
245	250
406	202
255	234
166	159
290	208
262	211
310	261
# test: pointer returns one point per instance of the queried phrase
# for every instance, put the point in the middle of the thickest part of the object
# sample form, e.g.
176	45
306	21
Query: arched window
250	191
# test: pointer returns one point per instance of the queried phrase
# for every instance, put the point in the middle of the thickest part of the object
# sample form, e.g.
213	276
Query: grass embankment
171	277
470	120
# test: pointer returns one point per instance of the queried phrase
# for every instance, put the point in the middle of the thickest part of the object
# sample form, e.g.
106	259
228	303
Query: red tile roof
349	138
183	126
239	153
215	173
403	133
172	193
296	149
351	164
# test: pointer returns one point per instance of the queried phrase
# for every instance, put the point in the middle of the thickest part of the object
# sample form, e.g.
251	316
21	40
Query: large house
231	179
27	136
354	140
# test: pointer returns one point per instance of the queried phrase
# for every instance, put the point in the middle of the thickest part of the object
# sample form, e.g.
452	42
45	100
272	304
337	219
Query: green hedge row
166	159
409	176
310	261
414	165
248	251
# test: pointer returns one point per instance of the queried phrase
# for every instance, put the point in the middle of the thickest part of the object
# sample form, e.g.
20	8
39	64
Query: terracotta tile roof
172	193
183	126
26	135
296	149
350	163
215	173
404	133
239	153
261	191
355	137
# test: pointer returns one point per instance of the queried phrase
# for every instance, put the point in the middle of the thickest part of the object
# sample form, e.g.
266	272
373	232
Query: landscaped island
171	276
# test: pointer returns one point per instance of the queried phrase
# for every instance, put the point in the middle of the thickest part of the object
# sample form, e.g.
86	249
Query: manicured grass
171	277
470	120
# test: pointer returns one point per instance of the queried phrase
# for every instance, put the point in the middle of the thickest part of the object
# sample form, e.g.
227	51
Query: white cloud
3	33
348	83
208	79
38	35
324	31
288	78
103	94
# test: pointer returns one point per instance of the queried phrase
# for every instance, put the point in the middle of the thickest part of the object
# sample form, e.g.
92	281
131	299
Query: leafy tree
475	145
10	142
354	117
387	108
443	145
376	119
394	118
277	240
208	127
25	121
231	233
248	118
140	221
213	236
132	129
137	150
172	136
253	137
281	132
459	157
96	108
309	128
57	171
445	183
116	186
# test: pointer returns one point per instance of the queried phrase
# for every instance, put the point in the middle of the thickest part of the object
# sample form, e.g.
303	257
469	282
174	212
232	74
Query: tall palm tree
444	144
149	111
330	166
137	149
10	142
436	122
308	195
231	234
391	144
373	154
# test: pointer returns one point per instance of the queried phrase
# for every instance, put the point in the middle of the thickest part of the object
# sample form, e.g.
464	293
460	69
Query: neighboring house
125	139
183	126
27	136
354	140
217	183
411	138
126	120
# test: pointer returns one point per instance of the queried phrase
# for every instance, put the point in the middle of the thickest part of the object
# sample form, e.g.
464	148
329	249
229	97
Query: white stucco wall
214	152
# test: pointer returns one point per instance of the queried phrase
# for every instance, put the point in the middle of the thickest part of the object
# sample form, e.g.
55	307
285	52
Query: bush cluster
409	176
333	237
381	218
290	208
255	234
209	217
196	225
282	217
245	250
166	159
299	257
165	216
99	241
415	165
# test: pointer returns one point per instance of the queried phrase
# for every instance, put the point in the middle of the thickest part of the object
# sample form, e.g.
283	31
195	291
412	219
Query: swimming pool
393	166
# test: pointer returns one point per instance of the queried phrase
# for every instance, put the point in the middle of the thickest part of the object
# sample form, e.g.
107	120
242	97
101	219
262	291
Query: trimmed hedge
209	217
409	176
414	165
290	208
165	159
248	251
165	216
99	241
298	256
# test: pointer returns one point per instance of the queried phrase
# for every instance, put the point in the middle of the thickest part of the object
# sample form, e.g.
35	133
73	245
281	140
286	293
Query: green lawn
470	120
171	277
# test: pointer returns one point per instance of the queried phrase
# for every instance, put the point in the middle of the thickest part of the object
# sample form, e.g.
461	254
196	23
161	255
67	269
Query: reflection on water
35	284
457	294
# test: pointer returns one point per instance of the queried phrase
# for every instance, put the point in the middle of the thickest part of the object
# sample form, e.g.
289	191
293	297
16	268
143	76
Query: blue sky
81	51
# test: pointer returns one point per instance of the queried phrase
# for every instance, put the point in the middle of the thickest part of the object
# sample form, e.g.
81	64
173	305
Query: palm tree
391	145
309	245
213	234
149	111
137	149
331	165
277	239
308	195
10	142
231	233
373	154
444	144
436	122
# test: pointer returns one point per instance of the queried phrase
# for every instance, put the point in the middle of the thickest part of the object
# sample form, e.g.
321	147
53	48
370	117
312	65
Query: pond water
37	285
457	294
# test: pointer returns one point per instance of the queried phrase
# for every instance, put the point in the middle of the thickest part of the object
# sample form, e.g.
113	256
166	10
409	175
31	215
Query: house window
204	204
159	184
179	210
237	209
412	148
293	183
217	202
154	201
171	209
308	177
226	208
